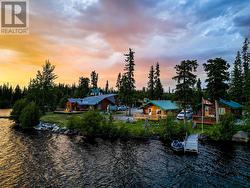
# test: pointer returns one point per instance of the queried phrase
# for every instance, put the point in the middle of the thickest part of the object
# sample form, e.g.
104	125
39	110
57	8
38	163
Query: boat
176	145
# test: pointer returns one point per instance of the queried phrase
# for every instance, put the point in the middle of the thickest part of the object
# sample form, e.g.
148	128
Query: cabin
224	107
99	102
157	109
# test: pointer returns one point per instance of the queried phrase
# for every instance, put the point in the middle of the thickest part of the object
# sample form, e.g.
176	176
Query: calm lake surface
41	159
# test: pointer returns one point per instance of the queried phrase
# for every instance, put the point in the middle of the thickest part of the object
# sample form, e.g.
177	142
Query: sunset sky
79	36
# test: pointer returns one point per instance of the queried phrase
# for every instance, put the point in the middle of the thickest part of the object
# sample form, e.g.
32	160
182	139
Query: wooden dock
191	143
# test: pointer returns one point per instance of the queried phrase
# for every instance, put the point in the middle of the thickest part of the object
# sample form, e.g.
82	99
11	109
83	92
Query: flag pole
202	113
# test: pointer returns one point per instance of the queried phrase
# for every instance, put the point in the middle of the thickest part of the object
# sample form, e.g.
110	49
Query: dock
191	143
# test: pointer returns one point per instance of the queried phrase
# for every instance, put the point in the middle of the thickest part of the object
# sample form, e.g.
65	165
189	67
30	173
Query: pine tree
236	89
118	81
245	57
247	92
151	83
17	94
186	80
129	69
83	87
197	96
94	79
127	84
41	88
107	87
158	91
217	81
218	76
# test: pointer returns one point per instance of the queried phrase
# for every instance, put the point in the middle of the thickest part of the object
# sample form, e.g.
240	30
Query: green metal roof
231	104
165	104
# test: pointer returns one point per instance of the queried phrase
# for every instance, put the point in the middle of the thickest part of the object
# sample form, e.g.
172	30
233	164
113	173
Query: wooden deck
191	143
206	120
139	116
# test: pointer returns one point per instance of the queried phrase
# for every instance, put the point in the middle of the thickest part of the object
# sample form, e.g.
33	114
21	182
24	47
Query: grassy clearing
59	119
94	123
92	126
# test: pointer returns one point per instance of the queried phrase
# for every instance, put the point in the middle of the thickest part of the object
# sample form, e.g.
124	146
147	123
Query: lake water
41	159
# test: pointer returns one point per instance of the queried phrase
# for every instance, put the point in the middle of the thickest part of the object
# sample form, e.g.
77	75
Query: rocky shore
42	126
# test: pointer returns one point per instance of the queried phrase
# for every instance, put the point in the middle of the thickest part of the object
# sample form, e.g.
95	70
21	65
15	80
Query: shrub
173	129
91	123
75	122
29	116
17	109
224	130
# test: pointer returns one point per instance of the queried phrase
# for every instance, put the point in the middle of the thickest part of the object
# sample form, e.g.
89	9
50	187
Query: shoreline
56	129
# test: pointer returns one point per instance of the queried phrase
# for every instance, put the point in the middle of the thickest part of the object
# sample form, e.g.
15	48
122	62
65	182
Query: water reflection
39	159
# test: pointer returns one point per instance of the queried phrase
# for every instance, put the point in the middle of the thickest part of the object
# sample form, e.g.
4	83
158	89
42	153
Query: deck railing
206	120
138	116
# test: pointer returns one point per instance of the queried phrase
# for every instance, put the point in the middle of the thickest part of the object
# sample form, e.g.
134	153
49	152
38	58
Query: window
222	111
150	111
158	111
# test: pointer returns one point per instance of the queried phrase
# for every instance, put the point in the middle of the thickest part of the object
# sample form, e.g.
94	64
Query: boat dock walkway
191	143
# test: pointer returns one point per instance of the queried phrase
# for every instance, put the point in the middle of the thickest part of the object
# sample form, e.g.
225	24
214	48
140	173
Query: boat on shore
177	146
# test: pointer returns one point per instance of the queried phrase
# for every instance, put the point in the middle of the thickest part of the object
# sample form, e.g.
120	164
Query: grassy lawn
59	119
198	129
123	129
135	129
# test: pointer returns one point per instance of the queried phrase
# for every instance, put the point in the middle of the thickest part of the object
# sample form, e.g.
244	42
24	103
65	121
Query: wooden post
202	113
216	111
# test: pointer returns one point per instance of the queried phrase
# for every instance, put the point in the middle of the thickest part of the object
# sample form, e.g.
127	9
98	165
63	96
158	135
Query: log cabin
158	109
224	107
99	102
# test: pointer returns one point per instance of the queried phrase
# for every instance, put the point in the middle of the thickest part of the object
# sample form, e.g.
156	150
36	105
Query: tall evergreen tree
158	90
83	87
17	94
217	81
236	88
245	57
186	80
107	87
197	96
118	81
94	79
127	84
129	69
247	92
217	77
151	83
41	88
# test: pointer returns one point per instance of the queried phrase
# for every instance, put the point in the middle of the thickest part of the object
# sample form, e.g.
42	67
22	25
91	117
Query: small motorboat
176	145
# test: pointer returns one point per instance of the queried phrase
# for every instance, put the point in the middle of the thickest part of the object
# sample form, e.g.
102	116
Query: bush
29	116
91	123
75	122
173	129
17	109
224	130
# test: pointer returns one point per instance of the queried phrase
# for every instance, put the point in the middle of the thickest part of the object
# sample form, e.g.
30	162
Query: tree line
220	83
